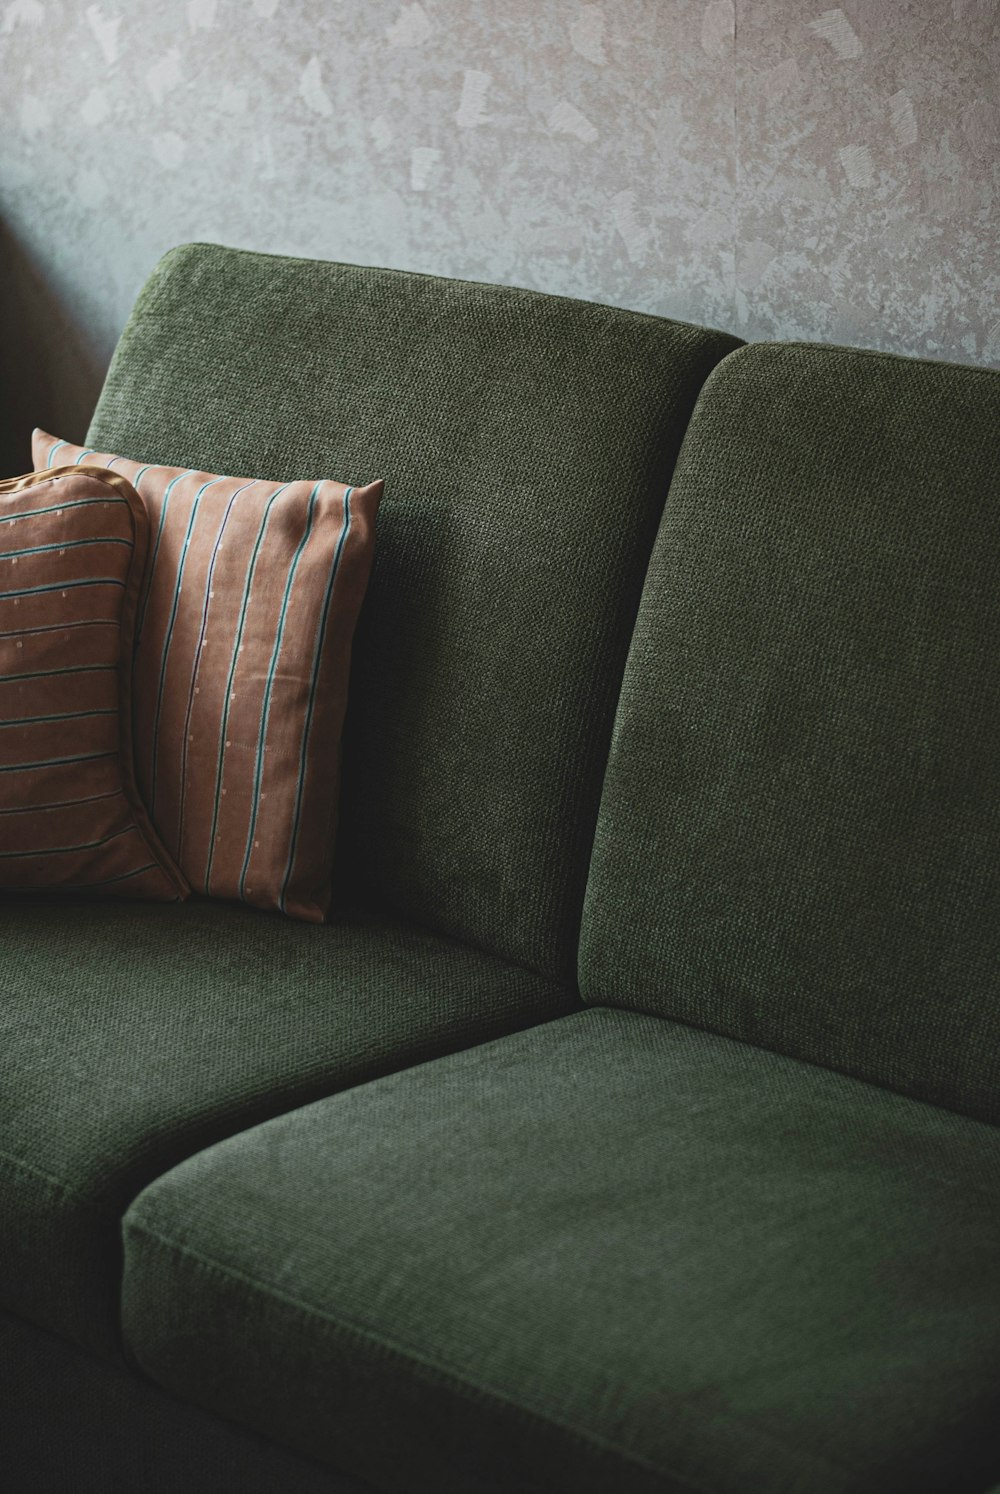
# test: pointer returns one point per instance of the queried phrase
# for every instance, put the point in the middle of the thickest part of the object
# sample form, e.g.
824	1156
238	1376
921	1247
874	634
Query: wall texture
774	167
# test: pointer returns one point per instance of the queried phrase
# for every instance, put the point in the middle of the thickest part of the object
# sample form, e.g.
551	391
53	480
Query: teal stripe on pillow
59	549
62	716
59	804
88	845
54	762
268	688
186	733
31	591
227	699
59	508
151	566
165	656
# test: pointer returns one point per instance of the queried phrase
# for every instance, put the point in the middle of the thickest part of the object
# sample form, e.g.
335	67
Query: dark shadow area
48	375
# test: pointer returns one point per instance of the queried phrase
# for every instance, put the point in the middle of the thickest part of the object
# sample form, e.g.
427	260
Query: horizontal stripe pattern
249	603
59	804
73	547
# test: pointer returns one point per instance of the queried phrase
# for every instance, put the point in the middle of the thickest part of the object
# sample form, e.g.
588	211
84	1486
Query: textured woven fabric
799	840
132	1034
72	549
242	658
613	1253
72	1424
527	442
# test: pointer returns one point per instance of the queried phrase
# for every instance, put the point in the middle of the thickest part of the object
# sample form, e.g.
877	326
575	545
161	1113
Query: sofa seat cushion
611	1253
133	1035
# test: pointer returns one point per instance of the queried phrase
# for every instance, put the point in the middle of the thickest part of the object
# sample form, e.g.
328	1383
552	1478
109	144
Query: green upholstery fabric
130	1036
527	443
73	1424
799	839
612	1253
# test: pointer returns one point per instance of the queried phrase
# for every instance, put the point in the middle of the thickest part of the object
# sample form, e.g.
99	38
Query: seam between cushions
19	1168
565	987
464	1384
789	1055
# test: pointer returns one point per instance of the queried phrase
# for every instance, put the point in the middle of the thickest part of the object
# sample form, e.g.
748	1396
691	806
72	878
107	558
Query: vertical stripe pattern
249	603
164	656
192	685
265	711
71	562
228	694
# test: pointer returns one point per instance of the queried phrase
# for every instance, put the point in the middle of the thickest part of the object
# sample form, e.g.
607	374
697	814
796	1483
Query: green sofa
632	1125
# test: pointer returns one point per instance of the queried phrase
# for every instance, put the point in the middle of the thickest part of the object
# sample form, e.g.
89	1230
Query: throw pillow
242	656
72	549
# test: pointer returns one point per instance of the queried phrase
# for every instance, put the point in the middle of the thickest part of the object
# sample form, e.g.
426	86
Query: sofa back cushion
526	443
799	838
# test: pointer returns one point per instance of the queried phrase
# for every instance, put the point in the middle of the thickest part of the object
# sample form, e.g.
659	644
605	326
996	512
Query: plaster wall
780	168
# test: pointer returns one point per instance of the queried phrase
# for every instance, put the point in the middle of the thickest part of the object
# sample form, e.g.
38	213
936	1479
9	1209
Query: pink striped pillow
242	659
72	550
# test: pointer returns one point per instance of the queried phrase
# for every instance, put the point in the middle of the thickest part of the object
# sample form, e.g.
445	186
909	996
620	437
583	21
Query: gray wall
781	168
